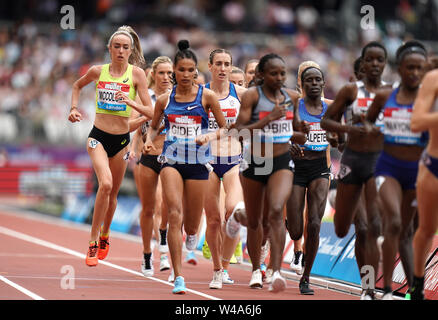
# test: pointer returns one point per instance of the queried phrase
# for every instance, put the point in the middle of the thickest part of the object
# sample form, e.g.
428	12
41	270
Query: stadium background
43	162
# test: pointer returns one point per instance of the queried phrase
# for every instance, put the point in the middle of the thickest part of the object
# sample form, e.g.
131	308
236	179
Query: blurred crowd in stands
39	61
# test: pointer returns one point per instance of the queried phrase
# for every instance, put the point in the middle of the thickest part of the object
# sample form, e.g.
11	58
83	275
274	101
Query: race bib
361	108
277	131
397	126
184	128
106	95
316	138
230	118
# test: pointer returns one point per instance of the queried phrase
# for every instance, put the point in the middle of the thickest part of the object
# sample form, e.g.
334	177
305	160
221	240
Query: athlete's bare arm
422	118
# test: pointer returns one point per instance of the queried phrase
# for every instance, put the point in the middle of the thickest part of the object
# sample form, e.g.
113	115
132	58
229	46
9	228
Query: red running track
43	257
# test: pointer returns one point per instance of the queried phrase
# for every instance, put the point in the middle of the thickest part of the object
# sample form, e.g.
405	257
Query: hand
123	98
305	126
148	147
296	151
75	115
333	139
299	137
278	112
202	139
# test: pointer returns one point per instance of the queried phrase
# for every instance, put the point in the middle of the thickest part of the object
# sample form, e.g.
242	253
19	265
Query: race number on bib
106	95
230	117
316	138
277	131
397	126
184	128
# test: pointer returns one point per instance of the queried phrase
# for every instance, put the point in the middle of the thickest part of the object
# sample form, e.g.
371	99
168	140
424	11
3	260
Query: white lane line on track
54	246
21	289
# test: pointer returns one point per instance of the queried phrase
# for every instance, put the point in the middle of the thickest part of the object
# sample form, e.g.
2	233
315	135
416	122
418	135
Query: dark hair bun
183	45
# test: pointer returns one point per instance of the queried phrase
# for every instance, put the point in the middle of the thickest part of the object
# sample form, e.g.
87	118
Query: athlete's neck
184	90
221	88
312	101
409	93
118	69
159	91
372	84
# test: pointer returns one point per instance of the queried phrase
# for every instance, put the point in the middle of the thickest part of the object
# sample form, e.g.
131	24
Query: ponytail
136	58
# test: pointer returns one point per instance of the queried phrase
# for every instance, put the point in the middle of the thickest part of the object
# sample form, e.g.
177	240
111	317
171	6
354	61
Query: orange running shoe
91	259
103	247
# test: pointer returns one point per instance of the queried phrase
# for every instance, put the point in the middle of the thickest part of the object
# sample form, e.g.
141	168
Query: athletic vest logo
126	80
192	107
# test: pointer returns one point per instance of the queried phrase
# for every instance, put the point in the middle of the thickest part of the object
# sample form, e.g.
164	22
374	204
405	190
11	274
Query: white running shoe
388	296
269	273
147	268
171	276
164	263
226	278
216	283
191	242
278	283
232	227
256	279
297	263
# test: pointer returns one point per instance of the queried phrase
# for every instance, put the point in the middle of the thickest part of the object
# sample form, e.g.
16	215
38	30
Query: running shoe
367	295
91	259
206	250
147	267
233	259
216	283
164	263
296	264
191	241
305	288
388	296
256	279
269	273
179	286
232	227
191	258
278	283
226	278
103	247
416	293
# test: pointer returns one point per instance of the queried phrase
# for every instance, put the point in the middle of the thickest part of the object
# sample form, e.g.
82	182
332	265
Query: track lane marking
21	289
37	241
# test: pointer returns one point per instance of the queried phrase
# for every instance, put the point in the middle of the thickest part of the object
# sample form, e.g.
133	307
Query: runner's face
412	69
120	48
374	62
185	71
163	75
274	74
221	67
237	78
313	82
250	71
